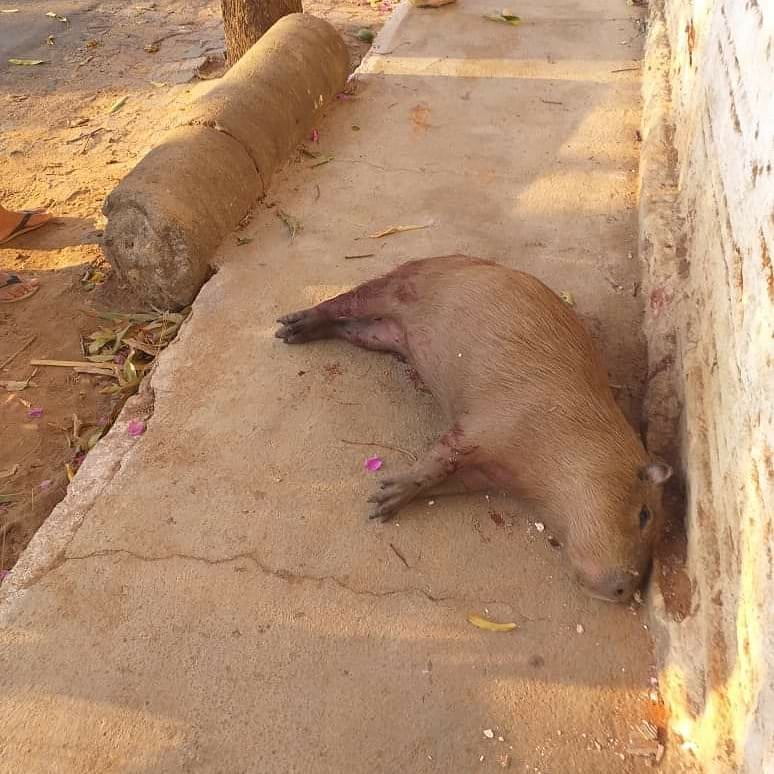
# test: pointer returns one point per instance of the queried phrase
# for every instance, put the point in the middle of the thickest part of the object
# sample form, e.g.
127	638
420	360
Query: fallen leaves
490	626
125	351
58	17
36	412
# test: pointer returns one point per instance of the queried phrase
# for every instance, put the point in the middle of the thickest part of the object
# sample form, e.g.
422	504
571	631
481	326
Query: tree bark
244	21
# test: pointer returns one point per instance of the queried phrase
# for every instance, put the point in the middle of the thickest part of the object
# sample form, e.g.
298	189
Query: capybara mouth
618	589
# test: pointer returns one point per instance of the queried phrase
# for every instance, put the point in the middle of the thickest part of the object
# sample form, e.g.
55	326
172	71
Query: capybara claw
289	318
299	327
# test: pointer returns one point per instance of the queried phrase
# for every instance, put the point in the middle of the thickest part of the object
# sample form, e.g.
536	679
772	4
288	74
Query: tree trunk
244	21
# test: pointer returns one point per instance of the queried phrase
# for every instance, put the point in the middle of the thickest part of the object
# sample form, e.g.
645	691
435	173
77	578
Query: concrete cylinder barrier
167	216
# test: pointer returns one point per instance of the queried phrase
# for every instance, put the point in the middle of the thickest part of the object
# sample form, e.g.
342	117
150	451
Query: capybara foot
393	494
299	327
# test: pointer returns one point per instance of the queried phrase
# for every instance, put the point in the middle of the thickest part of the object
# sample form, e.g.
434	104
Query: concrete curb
166	218
659	247
661	251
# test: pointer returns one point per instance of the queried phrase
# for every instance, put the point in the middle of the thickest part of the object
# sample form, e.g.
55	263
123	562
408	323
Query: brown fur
527	399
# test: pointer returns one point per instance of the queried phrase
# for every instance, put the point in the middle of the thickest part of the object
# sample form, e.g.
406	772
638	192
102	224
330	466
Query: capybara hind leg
379	334
451	453
325	320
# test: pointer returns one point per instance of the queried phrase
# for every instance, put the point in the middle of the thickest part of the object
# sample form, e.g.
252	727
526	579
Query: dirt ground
64	145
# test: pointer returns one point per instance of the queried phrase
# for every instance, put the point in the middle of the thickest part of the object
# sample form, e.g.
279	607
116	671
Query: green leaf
504	17
117	105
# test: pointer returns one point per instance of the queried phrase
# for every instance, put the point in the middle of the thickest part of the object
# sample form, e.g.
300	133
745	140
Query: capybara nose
613	586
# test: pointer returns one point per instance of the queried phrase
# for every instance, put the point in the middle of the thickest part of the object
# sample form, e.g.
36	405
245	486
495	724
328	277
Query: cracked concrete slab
210	597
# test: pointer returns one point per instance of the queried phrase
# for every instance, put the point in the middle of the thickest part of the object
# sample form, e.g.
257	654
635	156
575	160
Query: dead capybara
528	403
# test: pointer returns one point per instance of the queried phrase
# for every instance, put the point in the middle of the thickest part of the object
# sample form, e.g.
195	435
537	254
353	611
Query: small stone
500	739
539	526
488	733
579	628
431	502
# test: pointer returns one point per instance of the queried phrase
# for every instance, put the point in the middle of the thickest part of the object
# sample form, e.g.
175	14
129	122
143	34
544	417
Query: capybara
528	403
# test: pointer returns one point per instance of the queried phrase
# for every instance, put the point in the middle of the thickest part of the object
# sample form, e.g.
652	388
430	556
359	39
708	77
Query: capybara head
611	539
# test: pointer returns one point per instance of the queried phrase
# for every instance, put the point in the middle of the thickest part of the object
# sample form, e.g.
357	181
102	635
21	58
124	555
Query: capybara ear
657	473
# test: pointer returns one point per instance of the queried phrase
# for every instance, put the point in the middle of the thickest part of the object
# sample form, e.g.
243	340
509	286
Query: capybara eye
644	517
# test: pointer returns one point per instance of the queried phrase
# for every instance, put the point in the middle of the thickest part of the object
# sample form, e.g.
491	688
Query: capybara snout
527	400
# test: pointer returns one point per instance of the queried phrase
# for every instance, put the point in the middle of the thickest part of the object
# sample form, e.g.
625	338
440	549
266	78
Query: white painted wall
720	680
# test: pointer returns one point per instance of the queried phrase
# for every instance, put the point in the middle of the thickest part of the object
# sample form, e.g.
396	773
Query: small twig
551	102
625	70
21	349
168	36
400	555
408	454
85	135
397	230
317	193
361	255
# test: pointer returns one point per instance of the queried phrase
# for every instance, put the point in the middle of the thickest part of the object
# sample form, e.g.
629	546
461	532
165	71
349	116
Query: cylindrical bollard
167	216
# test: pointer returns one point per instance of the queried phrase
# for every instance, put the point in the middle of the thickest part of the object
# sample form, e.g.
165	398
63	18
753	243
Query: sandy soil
64	145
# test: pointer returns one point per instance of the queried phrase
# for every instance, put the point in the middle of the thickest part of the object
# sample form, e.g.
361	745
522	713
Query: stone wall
708	244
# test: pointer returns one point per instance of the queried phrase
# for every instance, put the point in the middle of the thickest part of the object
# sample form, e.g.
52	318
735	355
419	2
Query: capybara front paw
393	494
298	327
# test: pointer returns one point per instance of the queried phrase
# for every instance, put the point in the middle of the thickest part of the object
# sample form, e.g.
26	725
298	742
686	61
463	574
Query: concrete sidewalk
211	598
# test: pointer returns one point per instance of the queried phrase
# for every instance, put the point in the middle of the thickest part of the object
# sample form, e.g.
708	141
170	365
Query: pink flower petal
4	574
314	136
35	413
136	427
373	463
45	484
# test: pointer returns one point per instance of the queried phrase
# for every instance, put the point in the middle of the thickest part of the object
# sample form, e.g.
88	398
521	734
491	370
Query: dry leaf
490	626
567	297
504	16
27	62
12	471
395	230
292	223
